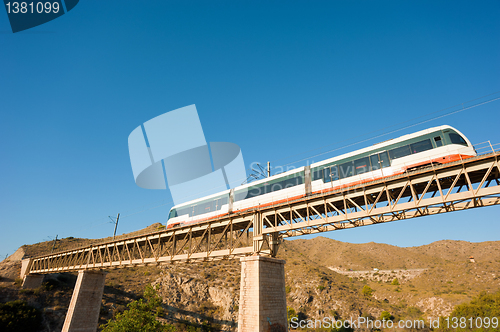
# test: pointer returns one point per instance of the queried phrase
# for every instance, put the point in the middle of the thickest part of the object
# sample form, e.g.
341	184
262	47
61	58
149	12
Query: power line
384	128
169	201
394	131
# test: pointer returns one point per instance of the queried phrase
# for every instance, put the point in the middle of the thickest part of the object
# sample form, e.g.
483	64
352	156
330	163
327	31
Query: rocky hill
324	277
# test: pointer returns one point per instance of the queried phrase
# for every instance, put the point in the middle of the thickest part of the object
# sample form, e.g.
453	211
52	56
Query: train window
457	139
286	183
346	170
326	175
400	152
361	165
438	141
297	180
256	191
421	146
266	188
173	213
277	186
384	159
374	162
240	195
334	173
316	174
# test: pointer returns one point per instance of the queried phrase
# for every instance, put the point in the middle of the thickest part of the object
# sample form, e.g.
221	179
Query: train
437	145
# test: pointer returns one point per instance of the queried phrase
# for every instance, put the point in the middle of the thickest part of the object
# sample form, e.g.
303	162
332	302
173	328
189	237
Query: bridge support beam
262	295
85	305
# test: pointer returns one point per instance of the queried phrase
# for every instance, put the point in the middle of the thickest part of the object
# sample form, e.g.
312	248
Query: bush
395	282
342	328
367	291
290	313
19	316
414	312
386	315
140	316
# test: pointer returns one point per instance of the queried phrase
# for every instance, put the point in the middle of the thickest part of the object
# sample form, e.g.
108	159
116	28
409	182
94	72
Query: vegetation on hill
19	316
482	313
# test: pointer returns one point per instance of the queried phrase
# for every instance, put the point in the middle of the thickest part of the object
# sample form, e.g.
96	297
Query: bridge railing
486	147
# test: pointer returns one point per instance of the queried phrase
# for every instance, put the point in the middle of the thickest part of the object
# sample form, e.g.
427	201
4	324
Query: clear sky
278	78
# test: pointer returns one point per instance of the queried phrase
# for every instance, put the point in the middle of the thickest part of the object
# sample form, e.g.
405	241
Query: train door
375	166
378	161
384	159
375	162
219	202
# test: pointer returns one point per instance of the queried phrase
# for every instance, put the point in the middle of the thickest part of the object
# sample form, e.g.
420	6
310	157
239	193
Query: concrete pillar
85	305
32	281
262	295
25	265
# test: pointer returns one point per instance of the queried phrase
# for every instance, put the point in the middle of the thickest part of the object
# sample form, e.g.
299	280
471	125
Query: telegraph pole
268	169
116	225
54	245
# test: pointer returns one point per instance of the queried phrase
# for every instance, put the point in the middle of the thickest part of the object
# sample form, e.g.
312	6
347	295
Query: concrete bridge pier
32	281
85	305
262	295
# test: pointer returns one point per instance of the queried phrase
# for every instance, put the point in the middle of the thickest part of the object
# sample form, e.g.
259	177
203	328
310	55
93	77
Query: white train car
438	145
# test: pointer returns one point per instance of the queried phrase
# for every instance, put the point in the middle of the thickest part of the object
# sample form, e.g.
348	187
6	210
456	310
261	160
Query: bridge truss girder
219	239
470	183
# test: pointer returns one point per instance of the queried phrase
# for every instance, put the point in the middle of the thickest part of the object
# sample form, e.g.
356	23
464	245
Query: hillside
324	278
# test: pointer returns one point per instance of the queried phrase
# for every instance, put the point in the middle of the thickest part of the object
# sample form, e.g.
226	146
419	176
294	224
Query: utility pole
116	225
268	169
54	245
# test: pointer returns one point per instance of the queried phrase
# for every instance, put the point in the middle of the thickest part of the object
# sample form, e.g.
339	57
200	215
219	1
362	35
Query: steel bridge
465	184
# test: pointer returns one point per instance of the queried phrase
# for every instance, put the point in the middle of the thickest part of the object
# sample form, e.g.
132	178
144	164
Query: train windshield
172	214
457	139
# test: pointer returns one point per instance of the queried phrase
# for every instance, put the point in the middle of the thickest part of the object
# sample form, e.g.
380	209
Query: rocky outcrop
10	268
435	307
17	256
184	296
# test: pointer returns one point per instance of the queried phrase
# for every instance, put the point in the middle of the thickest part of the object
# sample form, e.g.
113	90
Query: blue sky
278	78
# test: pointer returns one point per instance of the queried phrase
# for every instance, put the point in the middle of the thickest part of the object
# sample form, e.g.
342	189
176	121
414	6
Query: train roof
326	161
